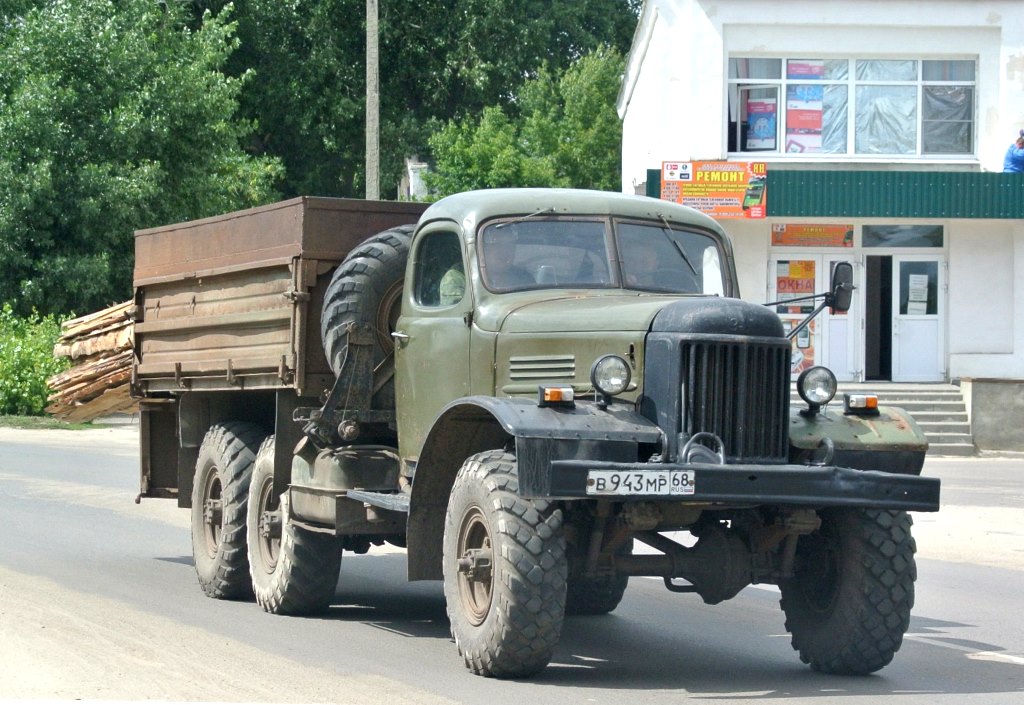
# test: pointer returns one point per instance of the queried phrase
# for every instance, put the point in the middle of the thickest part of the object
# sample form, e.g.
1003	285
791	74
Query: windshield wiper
676	245
521	218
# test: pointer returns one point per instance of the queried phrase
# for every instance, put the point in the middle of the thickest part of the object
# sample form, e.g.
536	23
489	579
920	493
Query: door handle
399	336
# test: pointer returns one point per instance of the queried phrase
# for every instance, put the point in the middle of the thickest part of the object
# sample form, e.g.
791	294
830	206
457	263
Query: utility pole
372	104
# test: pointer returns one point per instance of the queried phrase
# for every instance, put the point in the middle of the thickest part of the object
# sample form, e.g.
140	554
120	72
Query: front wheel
504	570
848	603
294	571
220	493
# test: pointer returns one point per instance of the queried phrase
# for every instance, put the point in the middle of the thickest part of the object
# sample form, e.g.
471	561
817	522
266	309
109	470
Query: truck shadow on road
657	642
737	651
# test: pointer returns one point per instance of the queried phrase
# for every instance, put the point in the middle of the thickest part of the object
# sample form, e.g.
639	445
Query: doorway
904	319
878	318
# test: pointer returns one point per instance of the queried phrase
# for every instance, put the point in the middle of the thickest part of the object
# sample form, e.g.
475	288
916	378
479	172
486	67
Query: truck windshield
544	253
669	259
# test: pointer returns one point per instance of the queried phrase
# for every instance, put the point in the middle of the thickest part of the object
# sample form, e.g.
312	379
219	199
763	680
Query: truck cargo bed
233	302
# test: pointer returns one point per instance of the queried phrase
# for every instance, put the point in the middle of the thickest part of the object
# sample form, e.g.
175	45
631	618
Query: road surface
99	600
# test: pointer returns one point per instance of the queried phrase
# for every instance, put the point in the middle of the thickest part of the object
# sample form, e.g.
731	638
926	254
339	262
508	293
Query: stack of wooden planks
97	383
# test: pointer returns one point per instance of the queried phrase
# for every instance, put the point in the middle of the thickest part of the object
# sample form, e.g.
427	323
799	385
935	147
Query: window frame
782	85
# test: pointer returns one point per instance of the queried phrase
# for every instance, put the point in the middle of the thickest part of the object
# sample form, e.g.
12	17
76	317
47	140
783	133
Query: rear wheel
848	603
294	571
504	570
219	498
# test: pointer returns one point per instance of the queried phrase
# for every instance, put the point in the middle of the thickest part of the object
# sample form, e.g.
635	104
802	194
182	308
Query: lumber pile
97	383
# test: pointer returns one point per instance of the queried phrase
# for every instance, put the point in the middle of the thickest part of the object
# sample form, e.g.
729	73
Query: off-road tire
296	573
505	626
220	496
848	603
366	289
598	595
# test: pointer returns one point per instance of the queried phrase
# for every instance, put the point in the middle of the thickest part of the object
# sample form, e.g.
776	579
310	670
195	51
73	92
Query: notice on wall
917	295
719	189
811	235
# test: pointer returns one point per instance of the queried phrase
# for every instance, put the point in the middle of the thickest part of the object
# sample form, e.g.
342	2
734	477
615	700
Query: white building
886	121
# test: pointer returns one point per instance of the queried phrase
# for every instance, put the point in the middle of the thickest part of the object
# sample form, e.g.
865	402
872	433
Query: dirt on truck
517	386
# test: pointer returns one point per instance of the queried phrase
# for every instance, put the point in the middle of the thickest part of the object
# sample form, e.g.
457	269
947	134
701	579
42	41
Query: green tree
440	60
115	115
561	131
26	361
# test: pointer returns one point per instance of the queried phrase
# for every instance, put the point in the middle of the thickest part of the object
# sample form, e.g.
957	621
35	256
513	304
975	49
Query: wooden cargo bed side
233	302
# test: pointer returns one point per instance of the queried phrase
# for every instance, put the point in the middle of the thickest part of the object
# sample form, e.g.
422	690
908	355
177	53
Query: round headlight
610	375
816	385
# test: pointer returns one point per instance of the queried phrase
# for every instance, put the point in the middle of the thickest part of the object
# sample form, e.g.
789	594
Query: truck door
432	336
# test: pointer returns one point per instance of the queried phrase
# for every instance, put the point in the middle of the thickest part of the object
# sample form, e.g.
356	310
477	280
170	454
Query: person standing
1013	162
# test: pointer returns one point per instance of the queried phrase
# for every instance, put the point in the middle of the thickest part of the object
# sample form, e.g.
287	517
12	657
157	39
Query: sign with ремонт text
719	189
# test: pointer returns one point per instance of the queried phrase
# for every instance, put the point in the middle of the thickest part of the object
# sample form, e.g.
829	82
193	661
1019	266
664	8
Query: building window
877	107
902	235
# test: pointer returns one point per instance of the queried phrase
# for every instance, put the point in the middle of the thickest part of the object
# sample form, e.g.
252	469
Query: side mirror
841	290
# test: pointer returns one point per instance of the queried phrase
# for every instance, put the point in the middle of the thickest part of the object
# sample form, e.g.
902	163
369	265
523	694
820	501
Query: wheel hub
213	513
475	566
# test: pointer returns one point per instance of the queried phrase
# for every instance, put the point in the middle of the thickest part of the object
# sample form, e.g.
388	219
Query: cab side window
440	276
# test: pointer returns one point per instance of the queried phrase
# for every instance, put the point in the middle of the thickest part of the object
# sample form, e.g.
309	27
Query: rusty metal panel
306	227
233	302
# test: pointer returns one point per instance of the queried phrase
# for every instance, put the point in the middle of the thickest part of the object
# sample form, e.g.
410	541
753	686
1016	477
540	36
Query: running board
396	502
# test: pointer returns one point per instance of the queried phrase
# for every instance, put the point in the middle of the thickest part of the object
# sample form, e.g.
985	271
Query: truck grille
740	392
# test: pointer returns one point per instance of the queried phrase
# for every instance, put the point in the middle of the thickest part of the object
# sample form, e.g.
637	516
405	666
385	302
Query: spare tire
366	289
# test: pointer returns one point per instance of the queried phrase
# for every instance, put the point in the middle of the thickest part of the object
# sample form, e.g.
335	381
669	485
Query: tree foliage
26	361
562	130
114	116
440	60
121	114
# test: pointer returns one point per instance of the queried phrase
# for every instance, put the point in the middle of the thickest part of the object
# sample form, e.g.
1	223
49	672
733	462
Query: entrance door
918	315
831	339
841	330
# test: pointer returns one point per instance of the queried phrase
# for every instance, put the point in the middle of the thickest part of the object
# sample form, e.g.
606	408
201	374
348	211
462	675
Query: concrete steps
939	410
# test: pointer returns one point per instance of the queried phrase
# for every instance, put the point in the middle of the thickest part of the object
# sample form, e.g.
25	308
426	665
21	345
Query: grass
41	422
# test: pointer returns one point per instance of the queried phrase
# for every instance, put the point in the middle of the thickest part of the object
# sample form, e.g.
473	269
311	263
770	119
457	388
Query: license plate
652	482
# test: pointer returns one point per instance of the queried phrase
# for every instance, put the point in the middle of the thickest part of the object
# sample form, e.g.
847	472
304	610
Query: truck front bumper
745	485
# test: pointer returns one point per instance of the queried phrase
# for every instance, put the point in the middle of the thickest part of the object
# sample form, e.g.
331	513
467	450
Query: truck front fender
890	441
538	434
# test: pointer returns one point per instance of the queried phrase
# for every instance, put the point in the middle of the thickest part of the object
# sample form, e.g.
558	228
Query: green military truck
519	389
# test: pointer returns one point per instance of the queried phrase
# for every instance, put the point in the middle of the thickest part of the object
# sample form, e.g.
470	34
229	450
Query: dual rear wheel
242	543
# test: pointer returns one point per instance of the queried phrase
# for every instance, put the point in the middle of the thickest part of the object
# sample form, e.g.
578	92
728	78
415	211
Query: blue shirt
1013	162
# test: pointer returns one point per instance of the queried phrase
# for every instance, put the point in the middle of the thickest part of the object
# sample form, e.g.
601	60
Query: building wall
673	101
984	296
674	104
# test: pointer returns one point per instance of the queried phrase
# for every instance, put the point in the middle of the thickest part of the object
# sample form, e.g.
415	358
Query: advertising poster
804	107
793	279
803	345
719	189
812	235
761	123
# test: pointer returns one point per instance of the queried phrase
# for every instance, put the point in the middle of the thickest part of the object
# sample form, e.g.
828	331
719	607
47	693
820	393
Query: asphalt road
99	600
